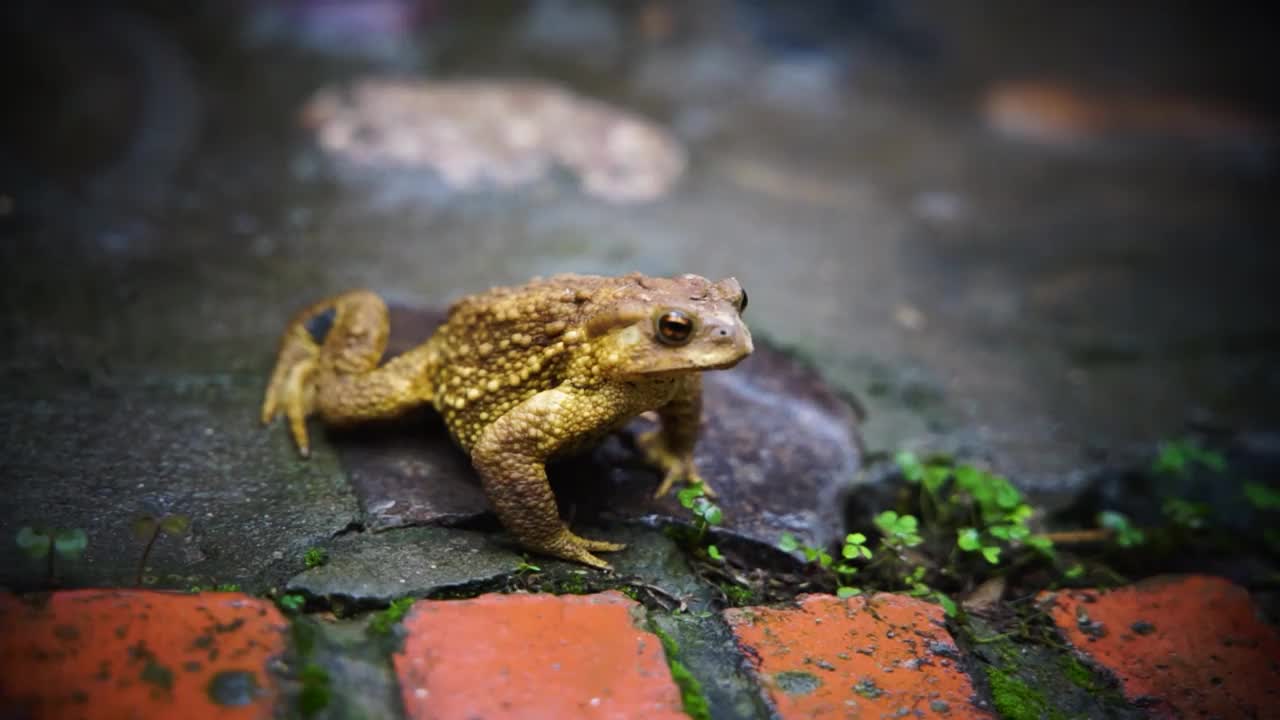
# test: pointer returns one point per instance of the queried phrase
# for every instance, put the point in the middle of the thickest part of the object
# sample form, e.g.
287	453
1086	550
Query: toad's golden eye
675	327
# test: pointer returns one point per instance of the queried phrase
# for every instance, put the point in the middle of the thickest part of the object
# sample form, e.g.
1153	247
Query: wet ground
1051	307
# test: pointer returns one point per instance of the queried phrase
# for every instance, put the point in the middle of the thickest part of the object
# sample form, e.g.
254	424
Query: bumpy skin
524	374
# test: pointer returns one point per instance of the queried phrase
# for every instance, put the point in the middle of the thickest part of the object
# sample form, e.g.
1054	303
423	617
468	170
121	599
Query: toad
523	375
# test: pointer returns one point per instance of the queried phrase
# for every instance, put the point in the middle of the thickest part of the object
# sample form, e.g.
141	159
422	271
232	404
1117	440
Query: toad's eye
674	327
742	304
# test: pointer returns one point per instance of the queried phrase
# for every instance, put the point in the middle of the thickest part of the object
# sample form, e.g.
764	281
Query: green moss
1079	675
691	693
1015	700
304	637
382	622
572	585
221	587
737	595
315	557
315	693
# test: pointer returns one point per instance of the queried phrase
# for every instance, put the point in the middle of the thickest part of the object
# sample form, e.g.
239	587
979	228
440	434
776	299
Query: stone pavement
1054	310
1172	647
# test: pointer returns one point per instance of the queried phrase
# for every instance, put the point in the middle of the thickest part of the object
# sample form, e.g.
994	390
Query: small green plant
1179	457
1186	514
382	622
1122	530
1262	497
987	512
1265	499
705	514
524	567
916	587
970	540
854	549
788	543
314	557
855	546
900	531
292	603
955	511
149	529
50	543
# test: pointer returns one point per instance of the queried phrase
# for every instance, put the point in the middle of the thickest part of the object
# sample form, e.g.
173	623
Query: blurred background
1038	233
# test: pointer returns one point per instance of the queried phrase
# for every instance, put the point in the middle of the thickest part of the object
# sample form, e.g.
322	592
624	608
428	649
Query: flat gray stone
779	446
94	451
372	569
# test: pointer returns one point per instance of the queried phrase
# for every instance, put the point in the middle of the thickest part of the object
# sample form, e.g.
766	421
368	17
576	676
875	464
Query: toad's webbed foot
567	546
291	388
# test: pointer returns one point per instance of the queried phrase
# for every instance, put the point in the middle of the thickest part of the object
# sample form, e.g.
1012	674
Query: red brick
883	656
533	656
1191	646
138	654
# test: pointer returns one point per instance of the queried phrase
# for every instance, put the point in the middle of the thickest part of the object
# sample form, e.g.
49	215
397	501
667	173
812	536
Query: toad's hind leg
328	365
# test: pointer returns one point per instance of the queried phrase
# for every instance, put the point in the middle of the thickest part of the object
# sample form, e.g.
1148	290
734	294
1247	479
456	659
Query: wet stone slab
371	569
375	568
779	446
94	454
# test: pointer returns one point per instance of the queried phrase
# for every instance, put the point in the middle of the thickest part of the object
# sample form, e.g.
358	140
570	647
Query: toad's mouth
725	363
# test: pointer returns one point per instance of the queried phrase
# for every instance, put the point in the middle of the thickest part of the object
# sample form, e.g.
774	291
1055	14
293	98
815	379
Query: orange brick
533	656
1189	646
120	654
884	656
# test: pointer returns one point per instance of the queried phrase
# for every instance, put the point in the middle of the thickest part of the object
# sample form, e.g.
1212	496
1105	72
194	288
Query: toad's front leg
511	456
670	447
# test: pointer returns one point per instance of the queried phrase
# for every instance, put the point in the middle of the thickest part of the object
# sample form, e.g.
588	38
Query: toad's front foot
291	390
329	365
567	546
675	467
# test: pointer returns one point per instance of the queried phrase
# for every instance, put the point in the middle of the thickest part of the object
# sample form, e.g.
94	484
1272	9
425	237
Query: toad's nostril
722	334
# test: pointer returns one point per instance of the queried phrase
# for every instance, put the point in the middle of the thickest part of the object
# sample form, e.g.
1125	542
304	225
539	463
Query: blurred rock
495	134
